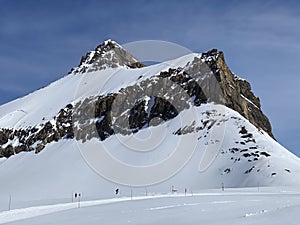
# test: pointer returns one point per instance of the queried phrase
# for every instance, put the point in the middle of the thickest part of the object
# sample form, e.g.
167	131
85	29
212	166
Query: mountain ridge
36	138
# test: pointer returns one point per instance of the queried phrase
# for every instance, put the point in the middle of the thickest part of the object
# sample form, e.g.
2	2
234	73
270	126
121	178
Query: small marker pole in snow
223	188
9	203
258	186
79	195
185	190
131	193
146	191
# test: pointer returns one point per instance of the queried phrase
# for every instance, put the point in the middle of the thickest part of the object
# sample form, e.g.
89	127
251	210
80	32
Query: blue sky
40	41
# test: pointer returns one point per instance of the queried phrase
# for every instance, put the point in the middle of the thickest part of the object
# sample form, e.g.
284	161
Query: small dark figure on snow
117	191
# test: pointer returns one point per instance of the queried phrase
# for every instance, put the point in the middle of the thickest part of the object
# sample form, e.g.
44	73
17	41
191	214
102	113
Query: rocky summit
108	54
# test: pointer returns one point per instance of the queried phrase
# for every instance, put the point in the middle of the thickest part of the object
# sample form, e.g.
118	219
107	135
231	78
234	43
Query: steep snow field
53	175
268	206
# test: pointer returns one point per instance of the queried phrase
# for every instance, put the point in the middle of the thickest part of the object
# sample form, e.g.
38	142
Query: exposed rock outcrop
36	138
237	93
109	54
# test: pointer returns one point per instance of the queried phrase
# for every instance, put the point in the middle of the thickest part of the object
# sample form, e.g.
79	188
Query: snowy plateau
118	142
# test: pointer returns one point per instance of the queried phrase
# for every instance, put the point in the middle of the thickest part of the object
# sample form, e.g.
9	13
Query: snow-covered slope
266	206
60	169
198	142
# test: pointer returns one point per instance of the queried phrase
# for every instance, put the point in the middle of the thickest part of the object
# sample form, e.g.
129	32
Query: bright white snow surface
267	206
53	175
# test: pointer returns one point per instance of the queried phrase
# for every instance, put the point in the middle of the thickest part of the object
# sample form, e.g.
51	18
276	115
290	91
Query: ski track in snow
30	212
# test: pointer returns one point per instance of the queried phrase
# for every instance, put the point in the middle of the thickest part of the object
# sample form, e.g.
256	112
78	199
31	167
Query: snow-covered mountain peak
193	105
109	54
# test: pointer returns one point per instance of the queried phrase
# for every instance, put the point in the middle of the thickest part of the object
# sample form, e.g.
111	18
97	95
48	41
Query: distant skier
117	191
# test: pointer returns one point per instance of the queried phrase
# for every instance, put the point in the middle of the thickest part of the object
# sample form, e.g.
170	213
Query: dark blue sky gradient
40	41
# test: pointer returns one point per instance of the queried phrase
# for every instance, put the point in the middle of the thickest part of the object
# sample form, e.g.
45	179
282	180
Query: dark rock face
36	138
148	102
109	54
238	96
